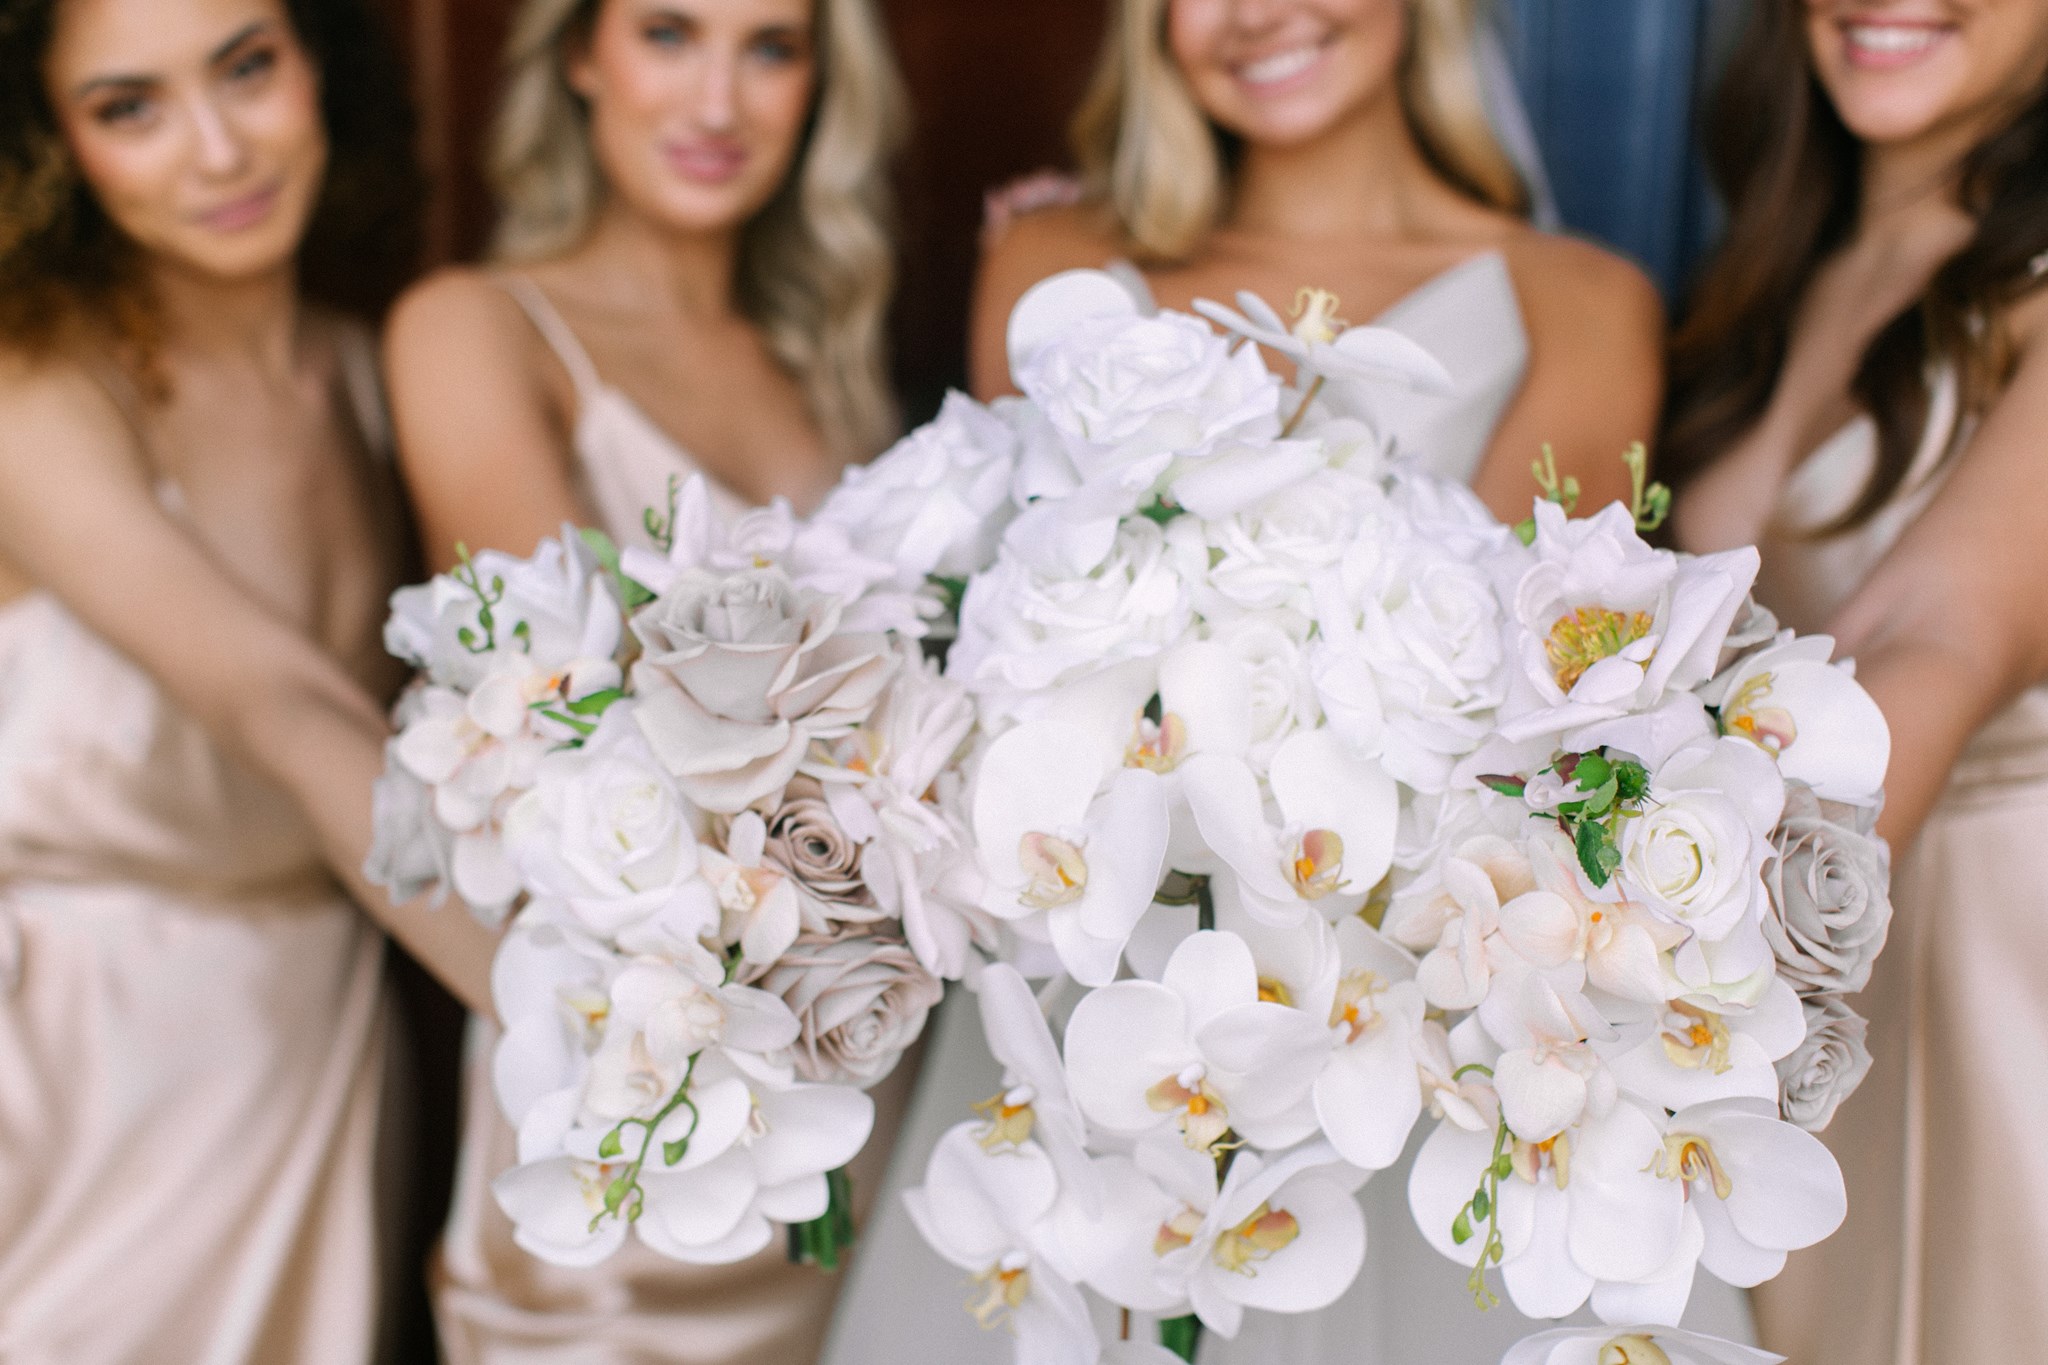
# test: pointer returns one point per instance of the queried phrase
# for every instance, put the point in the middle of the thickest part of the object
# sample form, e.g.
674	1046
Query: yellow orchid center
1689	1157
593	1178
1157	748
1267	1230
1318	864
1587	635
1010	1118
1002	1289
1633	1349
1054	870
1696	1039
1177	1231
1275	992
1355	1010
585	1010
1315	317
1554	1155
1204	1118
1770	728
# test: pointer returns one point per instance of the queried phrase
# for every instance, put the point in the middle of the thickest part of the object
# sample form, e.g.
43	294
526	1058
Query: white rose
1281	696
1268	556
554	609
1166	382
934	503
1030	629
606	830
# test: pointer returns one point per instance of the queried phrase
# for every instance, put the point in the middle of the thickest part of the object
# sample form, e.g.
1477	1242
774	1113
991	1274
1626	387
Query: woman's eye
251	65
665	33
123	109
776	50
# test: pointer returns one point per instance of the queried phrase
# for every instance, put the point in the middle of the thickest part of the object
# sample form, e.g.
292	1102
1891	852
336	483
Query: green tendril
624	1197
487	598
1484	1207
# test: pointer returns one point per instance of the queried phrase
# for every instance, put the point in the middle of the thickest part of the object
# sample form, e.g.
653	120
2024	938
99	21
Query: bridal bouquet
714	786
1345	808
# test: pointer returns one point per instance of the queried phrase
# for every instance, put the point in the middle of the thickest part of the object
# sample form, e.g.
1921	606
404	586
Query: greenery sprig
488	596
1615	789
1484	1206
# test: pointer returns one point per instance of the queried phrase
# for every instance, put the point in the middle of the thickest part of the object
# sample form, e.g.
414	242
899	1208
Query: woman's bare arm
80	518
483	415
1596	375
1950	627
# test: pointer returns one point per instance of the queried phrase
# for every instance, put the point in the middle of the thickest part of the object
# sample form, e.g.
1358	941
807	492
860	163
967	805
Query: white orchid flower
1810	714
1198	1051
993	1216
1624	947
1035	1103
1335	836
1582	1207
758	908
1323	347
1760	1186
1686	1053
1640	1344
1055	851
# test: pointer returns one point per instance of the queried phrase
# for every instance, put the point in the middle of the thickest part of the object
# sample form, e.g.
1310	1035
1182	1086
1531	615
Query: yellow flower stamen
1204	1118
1354	1008
1003	1288
1315	317
1055	872
1275	992
1531	1159
1318	864
1586	636
1770	728
1157	748
1633	1349
1696	1039
1689	1157
1010	1116
1177	1231
1267	1230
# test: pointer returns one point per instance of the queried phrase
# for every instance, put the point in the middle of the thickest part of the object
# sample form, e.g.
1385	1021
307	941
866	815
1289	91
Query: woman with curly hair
689	277
201	204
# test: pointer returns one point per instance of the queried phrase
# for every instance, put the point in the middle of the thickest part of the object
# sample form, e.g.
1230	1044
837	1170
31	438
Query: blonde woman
690	277
1275	144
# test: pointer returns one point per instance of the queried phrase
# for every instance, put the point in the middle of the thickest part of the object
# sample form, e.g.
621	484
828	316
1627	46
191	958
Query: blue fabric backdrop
1613	88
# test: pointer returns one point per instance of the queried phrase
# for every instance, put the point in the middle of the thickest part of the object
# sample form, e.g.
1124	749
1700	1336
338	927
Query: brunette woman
1276	144
689	278
1862	386
199	202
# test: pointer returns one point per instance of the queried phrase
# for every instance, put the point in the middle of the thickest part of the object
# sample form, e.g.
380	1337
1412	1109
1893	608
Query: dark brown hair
1790	172
61	257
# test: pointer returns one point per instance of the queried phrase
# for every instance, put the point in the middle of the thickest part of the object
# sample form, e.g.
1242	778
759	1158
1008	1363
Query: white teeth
1278	67
1891	40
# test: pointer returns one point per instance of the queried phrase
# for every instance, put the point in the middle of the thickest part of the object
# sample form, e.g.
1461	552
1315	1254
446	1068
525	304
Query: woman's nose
716	96
221	149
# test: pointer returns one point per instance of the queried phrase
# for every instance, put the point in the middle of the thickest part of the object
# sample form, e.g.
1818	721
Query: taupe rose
1830	886
741	671
822	861
860	999
1825	1069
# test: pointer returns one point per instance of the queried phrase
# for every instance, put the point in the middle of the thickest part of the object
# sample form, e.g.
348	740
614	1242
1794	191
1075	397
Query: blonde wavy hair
816	265
1148	151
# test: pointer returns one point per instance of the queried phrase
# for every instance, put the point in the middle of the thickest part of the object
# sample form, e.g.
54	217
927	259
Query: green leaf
1595	848
953	590
581	727
1631	780
1461	1228
1601	801
1525	530
1162	511
1505	785
596	703
611	1146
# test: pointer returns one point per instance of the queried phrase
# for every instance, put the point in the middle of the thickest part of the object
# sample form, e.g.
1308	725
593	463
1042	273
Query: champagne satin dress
1942	1258
496	1304
193	1029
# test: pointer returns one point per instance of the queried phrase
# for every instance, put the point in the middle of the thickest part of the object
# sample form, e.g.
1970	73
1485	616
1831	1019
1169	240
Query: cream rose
1825	1069
742	671
1829	880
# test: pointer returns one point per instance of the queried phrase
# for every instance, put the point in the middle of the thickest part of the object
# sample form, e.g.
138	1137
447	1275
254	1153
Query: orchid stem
1181	1335
1205	905
1302	411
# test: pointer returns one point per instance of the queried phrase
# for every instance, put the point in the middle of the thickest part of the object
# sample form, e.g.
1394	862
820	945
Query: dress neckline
1134	279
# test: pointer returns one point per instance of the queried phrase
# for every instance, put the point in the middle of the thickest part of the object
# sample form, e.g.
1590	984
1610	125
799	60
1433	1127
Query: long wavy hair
62	259
816	265
1790	171
1163	167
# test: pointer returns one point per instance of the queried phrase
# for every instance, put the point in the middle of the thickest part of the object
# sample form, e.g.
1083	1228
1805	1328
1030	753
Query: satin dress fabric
1408	1304
1941	1258
193	1036
495	1304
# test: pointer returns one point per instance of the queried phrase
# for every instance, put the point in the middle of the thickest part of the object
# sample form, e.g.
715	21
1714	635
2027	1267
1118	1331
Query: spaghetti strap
533	301
365	390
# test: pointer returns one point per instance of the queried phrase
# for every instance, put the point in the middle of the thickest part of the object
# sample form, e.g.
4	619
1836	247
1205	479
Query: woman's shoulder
456	304
1045	239
58	400
1561	278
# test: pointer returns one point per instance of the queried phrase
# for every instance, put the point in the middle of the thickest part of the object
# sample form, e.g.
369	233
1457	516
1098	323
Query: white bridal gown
1408	1304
